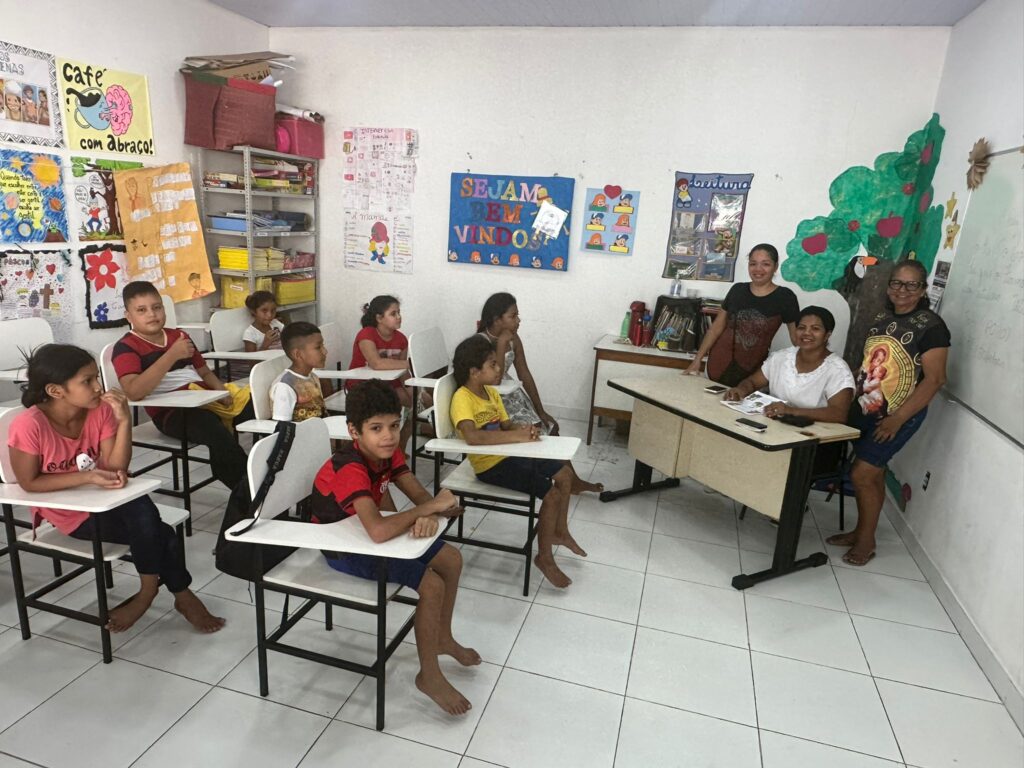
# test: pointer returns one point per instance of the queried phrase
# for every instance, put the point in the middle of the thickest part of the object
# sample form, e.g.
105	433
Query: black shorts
523	475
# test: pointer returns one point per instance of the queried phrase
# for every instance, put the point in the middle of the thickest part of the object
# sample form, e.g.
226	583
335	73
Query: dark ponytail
51	364
377	306
922	276
256	300
496	306
771	250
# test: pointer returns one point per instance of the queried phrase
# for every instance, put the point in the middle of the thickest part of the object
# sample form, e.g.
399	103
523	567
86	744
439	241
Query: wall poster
30	107
32	284
105	269
94	197
105	110
610	215
32	204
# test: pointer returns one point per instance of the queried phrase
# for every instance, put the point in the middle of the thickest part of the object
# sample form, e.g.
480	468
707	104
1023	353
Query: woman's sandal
858	560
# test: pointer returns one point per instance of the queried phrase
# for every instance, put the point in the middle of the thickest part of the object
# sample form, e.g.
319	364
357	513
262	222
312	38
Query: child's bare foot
127	613
551	571
467	657
566	540
443	693
192	608
585	487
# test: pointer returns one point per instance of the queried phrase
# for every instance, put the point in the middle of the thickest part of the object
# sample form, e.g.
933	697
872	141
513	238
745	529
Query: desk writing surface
256	356
611	343
685	397
556	447
181	398
361	374
86	498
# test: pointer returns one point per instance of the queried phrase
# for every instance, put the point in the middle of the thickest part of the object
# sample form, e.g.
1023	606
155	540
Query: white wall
969	521
624	106
147	37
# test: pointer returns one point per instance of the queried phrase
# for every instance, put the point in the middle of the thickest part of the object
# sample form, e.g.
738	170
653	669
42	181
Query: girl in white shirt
811	381
265	331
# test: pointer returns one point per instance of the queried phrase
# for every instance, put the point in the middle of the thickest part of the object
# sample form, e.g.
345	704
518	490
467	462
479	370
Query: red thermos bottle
636	322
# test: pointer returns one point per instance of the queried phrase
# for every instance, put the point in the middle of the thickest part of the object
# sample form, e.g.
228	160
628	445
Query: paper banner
106	274
378	241
162	230
105	110
28	86
610	213
491	221
32	284
32	207
94	197
707	219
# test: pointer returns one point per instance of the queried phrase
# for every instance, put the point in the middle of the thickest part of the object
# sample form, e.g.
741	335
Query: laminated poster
704	231
492	221
93	197
105	110
610	213
32	284
29	110
378	241
32	205
162	230
105	269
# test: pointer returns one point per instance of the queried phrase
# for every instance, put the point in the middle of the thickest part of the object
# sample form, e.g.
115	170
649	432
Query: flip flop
851	559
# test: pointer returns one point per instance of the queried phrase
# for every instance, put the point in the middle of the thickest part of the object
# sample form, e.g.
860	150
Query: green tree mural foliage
884	211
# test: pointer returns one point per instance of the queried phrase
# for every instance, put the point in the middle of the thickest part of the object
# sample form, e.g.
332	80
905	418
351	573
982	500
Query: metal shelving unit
272	200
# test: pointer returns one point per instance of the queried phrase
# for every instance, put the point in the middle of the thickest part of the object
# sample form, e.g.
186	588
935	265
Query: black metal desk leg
261	620
19	583
415	427
382	629
641	483
101	592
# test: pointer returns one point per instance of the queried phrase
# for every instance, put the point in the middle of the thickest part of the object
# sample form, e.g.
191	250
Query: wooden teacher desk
683	431
614	358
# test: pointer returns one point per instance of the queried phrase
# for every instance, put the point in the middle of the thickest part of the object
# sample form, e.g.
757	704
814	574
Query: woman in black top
741	336
904	366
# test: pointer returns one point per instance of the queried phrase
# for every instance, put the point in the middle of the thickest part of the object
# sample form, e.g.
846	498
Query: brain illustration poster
29	107
32	205
105	110
609	215
492	220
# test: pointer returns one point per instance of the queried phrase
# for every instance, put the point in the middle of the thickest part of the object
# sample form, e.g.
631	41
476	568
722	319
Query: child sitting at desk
383	347
265	331
75	435
153	360
296	393
479	416
355	482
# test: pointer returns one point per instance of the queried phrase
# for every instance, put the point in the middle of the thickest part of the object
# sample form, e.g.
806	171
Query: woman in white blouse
811	381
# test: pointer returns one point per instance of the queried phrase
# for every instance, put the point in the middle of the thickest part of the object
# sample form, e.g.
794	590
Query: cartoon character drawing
536	263
513	260
595	242
196	282
475	257
625	204
623	222
132	187
558	263
453	256
30	109
597	218
495	260
90	108
600	203
93	223
379	242
621	241
725	241
952	229
683	199
44	107
12	101
872	400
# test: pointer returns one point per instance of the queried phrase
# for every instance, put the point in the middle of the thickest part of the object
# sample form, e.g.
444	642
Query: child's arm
212	382
526	377
378	363
116	451
249	346
138	386
382	528
26	472
411	486
509	433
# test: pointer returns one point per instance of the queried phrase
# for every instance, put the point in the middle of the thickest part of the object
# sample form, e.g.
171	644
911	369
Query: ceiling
601	13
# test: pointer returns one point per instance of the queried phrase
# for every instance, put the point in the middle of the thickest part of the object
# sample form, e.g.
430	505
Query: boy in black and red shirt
152	360
355	481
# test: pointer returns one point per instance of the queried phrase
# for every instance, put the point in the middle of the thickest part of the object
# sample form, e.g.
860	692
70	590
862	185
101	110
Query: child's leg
581	486
427	625
563	480
547	537
227	459
447	563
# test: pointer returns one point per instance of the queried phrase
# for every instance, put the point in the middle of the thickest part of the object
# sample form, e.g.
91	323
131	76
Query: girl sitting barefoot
74	434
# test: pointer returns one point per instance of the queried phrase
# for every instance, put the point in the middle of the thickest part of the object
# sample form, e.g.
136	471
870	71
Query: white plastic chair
261	378
305	574
20	338
335	402
428	358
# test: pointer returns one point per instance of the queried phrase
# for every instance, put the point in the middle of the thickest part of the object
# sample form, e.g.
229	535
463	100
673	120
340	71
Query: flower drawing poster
105	110
106	275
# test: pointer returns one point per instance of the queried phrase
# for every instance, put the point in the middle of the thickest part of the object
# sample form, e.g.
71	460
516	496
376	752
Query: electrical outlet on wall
927	479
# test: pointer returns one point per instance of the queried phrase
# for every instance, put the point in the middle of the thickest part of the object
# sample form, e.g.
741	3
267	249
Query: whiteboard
983	303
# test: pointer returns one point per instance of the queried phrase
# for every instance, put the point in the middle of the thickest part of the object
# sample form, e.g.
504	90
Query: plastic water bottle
677	288
624	330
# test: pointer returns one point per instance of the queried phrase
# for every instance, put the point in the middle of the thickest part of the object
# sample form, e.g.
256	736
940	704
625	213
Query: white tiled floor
649	659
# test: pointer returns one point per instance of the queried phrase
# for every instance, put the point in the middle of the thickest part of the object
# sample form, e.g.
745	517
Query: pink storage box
301	137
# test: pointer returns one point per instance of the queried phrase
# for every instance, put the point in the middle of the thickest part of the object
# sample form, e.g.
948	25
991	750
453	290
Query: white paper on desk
752	404
550	219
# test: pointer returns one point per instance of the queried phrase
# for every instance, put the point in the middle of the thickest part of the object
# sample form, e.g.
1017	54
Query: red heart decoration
613	191
18	273
51	268
60	290
4	281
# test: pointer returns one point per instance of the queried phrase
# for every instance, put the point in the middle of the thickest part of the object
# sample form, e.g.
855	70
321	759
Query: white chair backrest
170	313
21	337
335	346
107	372
443	393
6	417
310	449
227	327
427	352
261	377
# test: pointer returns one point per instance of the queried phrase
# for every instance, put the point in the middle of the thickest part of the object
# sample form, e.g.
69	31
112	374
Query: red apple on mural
853	226
815	244
908	188
926	200
926	153
890	226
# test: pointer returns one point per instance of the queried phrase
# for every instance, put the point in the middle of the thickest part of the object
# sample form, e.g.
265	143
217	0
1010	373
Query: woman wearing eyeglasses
904	366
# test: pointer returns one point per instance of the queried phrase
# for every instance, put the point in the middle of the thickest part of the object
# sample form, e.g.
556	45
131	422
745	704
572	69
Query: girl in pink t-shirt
74	434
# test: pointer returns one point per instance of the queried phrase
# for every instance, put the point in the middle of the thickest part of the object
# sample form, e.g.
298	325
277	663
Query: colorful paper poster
32	284
492	219
707	219
105	110
106	274
28	84
379	167
610	213
378	241
162	231
32	207
94	197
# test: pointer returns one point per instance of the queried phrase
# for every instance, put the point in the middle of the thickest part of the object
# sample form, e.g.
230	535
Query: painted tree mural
880	215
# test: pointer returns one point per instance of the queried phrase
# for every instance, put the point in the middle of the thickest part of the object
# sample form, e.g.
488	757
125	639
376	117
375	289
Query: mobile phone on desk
757	426
715	389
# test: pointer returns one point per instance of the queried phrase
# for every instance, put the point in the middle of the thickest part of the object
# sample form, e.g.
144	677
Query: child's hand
444	500
118	402
228	399
451	512
525	433
424	527
732	395
182	349
271	337
693	369
106	478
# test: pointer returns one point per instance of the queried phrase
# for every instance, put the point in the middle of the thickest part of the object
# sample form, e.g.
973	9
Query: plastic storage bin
234	290
305	137
294	289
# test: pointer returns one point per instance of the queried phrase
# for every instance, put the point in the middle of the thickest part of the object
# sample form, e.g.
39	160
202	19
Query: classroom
342	321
